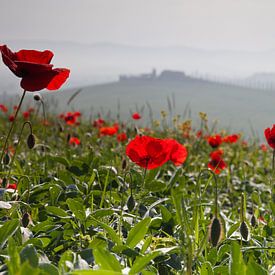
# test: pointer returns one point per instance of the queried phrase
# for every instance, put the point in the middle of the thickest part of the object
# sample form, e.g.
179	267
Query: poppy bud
215	232
124	164
31	141
37	97
131	203
244	230
68	138
6	159
25	220
253	221
4	182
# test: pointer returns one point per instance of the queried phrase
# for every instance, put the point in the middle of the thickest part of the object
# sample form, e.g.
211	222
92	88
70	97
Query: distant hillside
235	107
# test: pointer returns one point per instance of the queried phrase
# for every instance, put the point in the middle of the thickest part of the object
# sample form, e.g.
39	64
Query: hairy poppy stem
19	139
273	160
12	125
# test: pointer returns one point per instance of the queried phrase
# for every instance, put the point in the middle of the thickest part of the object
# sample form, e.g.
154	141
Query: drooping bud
6	159
4	182
37	97
131	203
25	219
253	221
31	141
124	164
244	230
215	231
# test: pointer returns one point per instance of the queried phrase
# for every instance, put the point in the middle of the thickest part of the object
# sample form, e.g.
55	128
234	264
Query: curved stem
19	139
12	125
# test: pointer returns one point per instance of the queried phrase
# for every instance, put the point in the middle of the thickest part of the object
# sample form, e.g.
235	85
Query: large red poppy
178	152
150	153
34	68
270	136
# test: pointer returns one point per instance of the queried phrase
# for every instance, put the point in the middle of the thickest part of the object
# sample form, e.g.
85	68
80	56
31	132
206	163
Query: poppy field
106	196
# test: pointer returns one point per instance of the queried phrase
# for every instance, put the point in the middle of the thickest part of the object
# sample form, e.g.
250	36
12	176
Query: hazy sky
209	24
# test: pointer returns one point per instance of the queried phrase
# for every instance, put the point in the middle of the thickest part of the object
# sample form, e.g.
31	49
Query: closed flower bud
31	141
131	203
68	138
244	230
6	159
215	231
4	182
253	221
25	219
124	164
37	97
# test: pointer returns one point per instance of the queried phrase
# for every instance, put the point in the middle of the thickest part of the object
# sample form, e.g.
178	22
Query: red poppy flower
108	131
121	137
214	141
98	123
178	152
263	147
74	141
136	116
3	108
12	186
11	118
216	164
26	115
270	136
148	152
34	68
231	139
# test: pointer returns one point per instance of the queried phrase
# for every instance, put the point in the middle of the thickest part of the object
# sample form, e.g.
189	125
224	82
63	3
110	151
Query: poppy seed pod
6	159
31	141
215	231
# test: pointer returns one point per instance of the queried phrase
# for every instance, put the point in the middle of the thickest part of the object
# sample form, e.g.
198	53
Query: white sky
207	24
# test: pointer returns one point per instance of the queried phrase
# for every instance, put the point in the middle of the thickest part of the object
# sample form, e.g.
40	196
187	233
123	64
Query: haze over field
220	40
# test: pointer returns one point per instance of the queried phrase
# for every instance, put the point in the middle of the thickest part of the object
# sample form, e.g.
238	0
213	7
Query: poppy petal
8	58
34	56
59	78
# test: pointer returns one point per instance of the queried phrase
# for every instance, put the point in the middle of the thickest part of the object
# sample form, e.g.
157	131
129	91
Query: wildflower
74	141
108	131
121	137
214	141
270	136
3	108
216	164
34	68
136	116
231	139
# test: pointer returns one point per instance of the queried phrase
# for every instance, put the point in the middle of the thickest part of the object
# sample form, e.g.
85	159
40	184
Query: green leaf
155	185
56	211
95	272
233	228
138	232
237	265
206	269
255	269
7	230
14	261
143	261
48	269
77	209
106	260
29	253
61	160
